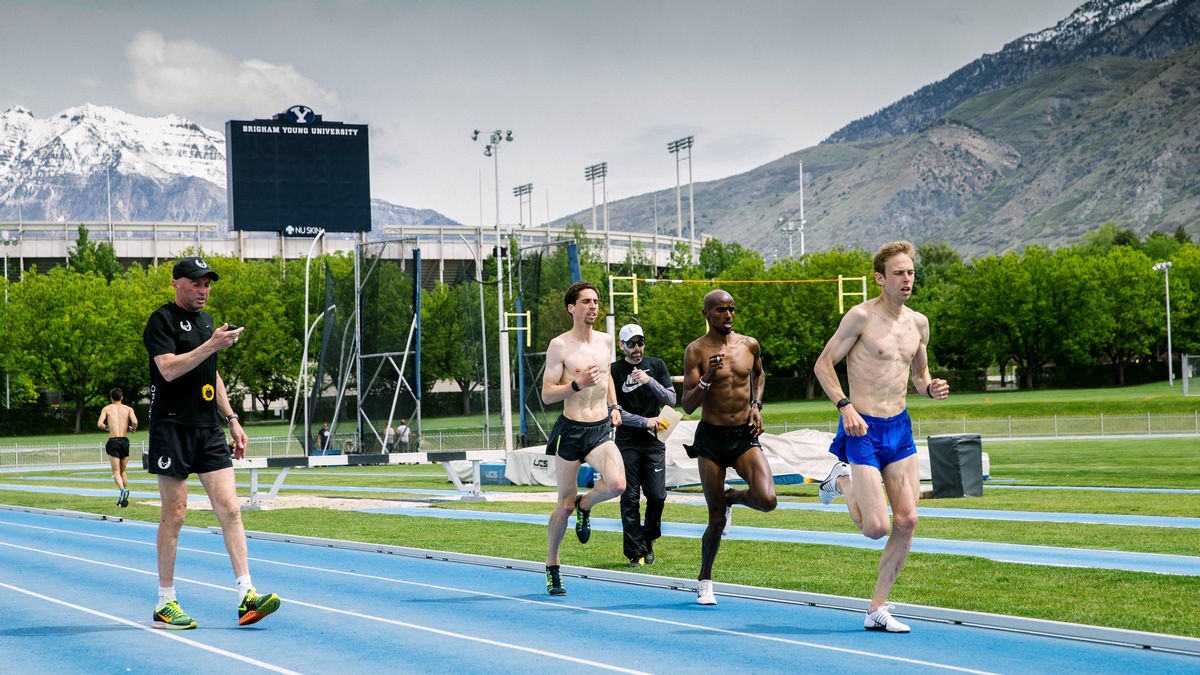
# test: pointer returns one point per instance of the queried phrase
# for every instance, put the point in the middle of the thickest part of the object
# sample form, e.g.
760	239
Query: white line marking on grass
153	631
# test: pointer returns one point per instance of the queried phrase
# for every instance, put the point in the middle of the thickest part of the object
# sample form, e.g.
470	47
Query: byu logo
186	325
300	114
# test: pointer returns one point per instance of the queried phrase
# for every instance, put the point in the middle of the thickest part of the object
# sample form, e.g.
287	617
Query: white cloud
188	78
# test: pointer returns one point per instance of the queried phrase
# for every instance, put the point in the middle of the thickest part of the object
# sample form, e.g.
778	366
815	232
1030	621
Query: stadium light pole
492	149
591	173
1165	268
674	147
6	242
789	226
523	194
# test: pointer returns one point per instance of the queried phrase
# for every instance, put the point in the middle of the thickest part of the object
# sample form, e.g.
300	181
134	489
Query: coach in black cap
194	268
188	401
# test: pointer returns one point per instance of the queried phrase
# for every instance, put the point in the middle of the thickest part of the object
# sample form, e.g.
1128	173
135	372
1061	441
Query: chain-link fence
438	440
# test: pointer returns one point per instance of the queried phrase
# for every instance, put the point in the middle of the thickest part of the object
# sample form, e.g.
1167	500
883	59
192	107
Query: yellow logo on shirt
208	392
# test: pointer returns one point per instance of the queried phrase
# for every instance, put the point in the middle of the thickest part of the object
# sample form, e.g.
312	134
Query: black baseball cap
194	267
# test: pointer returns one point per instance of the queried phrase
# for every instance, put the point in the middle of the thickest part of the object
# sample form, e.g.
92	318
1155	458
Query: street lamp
1165	268
674	147
591	173
492	149
6	241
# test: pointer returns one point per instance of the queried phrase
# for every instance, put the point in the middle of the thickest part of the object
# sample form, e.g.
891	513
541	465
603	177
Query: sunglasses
636	343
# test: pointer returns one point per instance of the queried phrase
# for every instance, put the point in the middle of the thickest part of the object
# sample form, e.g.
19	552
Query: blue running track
77	595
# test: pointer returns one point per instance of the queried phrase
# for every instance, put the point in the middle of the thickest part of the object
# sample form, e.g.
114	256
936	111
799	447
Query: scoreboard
296	174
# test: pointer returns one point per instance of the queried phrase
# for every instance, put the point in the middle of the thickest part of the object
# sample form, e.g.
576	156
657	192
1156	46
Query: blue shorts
888	439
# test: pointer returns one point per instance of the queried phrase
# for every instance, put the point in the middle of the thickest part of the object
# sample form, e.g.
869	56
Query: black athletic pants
645	471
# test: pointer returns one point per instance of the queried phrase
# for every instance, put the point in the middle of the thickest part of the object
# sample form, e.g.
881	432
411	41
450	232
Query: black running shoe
583	522
554	584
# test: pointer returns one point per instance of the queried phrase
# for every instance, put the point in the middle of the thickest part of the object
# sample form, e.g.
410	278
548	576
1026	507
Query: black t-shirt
191	399
635	397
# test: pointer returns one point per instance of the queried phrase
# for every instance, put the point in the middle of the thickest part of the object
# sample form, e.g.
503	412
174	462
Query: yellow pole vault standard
526	327
842	293
614	294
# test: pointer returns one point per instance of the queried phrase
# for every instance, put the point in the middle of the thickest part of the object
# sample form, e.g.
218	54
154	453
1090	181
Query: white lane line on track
426	629
153	631
623	615
668	622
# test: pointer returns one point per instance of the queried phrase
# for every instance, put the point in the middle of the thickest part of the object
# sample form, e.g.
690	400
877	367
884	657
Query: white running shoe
704	594
882	619
829	490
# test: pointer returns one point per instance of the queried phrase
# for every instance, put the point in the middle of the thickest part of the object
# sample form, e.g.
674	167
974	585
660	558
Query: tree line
76	329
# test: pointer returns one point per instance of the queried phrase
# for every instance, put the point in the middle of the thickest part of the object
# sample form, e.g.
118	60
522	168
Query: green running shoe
583	522
255	607
554	584
171	617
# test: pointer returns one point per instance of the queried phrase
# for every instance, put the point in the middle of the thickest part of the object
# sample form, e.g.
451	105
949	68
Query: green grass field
1138	601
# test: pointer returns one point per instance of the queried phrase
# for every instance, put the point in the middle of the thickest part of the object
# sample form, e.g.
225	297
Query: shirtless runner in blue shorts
881	340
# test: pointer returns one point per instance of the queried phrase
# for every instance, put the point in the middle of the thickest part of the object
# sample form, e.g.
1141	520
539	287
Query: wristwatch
843	403
231	416
757	404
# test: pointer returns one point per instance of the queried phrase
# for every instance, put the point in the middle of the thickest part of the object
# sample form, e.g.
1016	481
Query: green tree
1159	246
1027	309
266	360
934	261
64	328
716	257
448	351
87	256
1124	322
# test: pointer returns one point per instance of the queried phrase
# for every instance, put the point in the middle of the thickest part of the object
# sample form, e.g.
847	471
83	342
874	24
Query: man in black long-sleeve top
643	386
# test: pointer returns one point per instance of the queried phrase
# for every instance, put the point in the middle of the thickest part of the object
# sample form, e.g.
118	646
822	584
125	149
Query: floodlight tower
591	173
492	149
674	147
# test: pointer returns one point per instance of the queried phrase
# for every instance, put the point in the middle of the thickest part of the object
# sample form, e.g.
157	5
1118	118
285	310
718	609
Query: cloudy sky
577	83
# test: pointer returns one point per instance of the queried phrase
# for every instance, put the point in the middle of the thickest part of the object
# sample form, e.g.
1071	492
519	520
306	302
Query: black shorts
179	451
117	447
721	444
573	440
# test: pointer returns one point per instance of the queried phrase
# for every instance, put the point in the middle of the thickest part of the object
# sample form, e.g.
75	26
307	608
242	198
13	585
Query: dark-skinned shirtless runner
723	375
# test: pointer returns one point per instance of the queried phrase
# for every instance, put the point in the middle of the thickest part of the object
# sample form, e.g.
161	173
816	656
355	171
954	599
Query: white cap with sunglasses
630	331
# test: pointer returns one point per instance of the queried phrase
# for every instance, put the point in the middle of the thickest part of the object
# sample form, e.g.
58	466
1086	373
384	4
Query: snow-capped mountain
154	169
1144	29
92	139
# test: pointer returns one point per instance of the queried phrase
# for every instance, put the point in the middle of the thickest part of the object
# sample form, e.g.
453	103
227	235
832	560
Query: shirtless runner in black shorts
577	364
723	374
